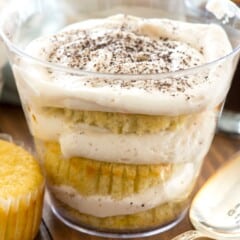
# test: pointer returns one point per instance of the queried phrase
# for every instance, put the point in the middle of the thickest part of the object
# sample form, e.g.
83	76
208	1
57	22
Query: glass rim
192	6
12	47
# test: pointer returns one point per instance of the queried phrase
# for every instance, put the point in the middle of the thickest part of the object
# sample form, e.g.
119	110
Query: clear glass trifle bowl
122	105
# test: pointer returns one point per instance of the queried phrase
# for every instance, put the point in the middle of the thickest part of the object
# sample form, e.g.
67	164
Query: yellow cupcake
119	123
90	177
21	193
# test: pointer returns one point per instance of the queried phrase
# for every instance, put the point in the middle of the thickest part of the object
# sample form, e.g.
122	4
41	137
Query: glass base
229	122
125	235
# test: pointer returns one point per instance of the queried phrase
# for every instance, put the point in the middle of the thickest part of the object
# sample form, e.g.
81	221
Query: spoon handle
189	235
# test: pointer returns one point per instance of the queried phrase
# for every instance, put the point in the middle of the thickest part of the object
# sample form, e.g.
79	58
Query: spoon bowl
215	210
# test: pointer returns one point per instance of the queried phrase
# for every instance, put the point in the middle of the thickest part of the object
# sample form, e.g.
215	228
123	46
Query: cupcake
21	193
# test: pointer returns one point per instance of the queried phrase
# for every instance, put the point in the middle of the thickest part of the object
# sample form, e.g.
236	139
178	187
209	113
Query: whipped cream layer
129	45
192	138
176	188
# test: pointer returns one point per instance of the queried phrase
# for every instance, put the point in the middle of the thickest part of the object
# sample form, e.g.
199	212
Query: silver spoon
215	210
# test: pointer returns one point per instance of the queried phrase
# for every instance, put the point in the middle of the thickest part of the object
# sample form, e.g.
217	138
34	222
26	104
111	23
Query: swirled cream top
127	61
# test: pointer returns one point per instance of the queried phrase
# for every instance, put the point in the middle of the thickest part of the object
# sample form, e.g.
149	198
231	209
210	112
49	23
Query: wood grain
12	121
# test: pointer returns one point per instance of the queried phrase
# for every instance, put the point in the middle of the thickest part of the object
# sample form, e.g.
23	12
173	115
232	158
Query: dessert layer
119	123
190	139
125	44
90	177
176	188
91	186
152	218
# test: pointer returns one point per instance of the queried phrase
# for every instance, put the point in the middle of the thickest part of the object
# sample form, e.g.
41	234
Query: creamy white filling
71	93
63	90
183	144
177	188
166	146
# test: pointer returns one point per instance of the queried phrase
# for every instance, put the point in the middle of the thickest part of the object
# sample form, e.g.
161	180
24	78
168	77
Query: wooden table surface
12	121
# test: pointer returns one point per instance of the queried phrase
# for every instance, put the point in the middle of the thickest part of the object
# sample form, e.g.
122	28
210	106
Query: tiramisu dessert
120	124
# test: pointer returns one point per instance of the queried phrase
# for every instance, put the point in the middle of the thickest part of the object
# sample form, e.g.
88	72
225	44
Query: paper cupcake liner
20	217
